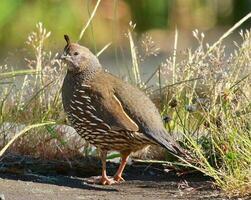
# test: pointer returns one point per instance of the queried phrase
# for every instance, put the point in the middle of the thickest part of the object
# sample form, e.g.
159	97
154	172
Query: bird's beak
63	57
66	58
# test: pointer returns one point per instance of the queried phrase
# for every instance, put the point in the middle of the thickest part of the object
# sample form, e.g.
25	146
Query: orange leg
118	175
104	179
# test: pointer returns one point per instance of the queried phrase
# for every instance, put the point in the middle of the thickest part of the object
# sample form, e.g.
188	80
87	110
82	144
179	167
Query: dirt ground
62	187
143	181
69	188
27	178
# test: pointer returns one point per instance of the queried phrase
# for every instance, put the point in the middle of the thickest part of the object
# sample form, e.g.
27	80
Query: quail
109	113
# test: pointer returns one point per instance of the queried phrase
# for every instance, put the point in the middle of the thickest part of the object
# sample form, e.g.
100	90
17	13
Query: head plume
67	39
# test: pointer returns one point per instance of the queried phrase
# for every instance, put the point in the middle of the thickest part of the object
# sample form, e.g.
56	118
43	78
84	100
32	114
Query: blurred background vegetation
159	18
202	89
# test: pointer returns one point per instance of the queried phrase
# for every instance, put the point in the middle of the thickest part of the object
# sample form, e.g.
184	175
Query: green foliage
7	8
144	10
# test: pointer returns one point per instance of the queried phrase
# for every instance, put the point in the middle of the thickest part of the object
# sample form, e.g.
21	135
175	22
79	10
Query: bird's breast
83	115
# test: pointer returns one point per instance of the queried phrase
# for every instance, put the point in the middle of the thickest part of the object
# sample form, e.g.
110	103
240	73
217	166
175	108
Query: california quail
107	112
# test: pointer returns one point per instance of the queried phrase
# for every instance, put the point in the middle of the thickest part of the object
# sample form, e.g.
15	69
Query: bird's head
78	58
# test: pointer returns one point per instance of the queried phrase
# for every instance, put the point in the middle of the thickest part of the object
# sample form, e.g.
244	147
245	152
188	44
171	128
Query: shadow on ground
28	180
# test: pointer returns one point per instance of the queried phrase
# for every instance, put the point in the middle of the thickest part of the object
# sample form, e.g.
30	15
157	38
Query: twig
172	164
152	75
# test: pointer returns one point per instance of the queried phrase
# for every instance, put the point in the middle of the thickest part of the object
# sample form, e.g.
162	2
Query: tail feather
165	140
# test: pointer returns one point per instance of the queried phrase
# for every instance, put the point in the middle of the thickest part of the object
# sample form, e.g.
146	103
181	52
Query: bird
109	113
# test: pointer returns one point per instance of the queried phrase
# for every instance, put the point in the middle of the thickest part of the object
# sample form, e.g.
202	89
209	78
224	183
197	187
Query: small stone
2	197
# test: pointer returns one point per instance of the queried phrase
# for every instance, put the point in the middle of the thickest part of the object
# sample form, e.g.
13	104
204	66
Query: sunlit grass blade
226	34
5	75
89	20
25	130
135	65
103	49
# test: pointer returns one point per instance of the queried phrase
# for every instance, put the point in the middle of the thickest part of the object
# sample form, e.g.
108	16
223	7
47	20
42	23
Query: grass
207	100
213	113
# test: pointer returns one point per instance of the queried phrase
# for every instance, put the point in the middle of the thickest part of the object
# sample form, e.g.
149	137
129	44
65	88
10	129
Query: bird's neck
85	74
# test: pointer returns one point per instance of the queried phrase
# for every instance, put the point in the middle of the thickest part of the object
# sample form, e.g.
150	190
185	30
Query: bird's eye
75	53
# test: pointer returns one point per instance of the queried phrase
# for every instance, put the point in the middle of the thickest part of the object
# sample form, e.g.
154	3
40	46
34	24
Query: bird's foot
118	179
107	181
101	180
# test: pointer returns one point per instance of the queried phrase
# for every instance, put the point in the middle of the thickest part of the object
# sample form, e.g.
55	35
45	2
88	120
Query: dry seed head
148	46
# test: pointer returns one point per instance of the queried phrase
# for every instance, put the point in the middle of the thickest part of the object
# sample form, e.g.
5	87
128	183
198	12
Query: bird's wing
109	109
145	114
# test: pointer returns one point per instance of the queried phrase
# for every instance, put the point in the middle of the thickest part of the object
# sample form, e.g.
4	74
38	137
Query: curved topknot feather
67	39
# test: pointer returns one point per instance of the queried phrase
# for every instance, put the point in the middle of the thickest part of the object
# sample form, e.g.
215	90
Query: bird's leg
104	180
118	175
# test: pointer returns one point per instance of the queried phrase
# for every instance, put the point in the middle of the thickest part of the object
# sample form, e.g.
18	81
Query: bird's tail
165	140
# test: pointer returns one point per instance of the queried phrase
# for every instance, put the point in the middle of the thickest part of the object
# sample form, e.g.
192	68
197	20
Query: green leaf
112	156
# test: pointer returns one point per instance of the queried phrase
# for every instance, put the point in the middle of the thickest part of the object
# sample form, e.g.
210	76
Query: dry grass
207	101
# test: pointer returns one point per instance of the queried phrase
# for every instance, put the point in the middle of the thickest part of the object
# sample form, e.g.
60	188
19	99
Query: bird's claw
118	179
107	181
101	180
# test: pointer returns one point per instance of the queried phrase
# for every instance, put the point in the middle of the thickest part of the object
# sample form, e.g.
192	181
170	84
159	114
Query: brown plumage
109	113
